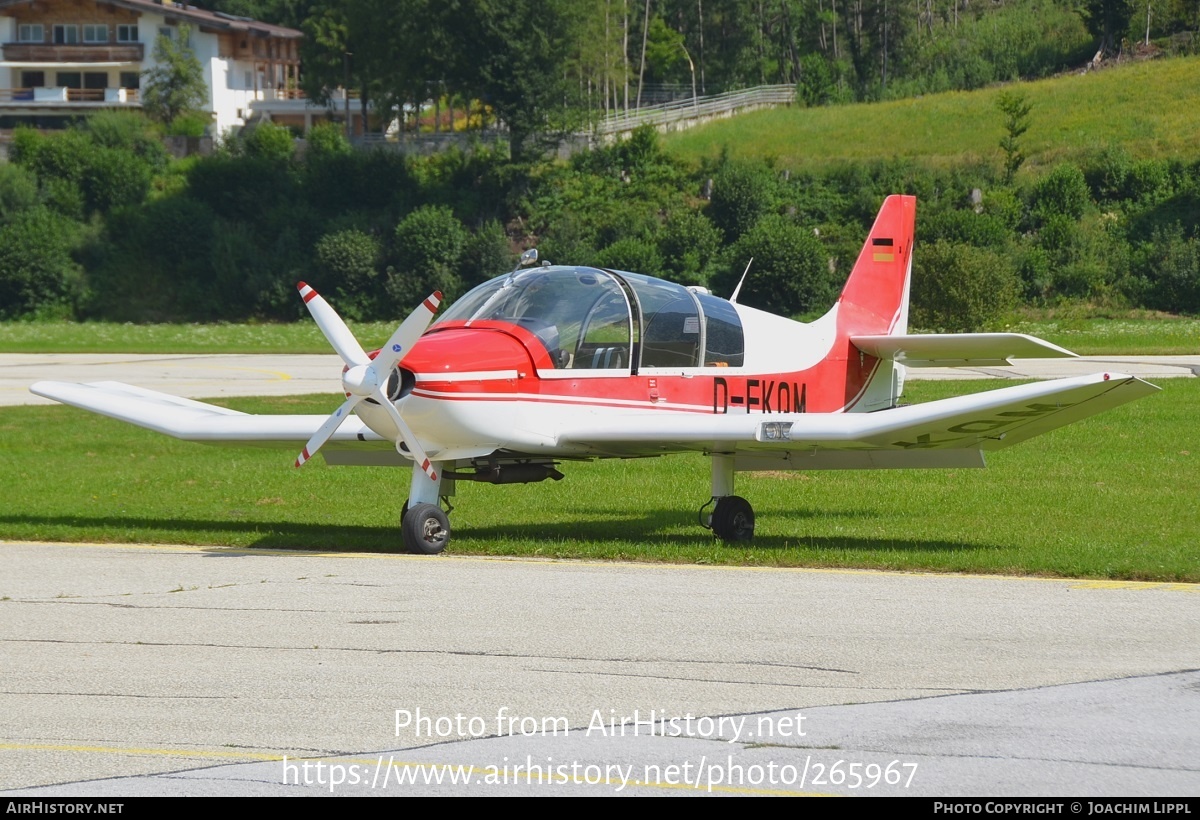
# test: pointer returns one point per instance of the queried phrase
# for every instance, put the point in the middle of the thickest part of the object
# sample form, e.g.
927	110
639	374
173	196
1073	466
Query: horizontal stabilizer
959	349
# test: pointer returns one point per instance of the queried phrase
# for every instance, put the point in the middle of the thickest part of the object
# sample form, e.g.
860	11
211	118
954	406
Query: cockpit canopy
600	319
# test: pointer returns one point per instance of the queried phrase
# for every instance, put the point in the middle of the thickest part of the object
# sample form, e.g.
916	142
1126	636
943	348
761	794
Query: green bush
128	131
38	276
961	288
18	190
190	124
242	188
1063	191
268	141
816	85
790	271
742	193
631	254
327	139
347	262
428	249
965	226
689	243
486	253
114	178
81	175
1170	263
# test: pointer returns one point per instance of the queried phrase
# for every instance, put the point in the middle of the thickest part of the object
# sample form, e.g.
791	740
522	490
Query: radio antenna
742	281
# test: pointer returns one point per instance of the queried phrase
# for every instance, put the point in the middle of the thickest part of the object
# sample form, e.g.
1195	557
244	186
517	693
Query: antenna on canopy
742	281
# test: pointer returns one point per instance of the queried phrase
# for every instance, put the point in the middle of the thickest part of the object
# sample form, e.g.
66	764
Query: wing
197	421
952	432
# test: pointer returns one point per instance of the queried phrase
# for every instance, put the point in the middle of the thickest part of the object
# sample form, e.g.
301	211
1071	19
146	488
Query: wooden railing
42	53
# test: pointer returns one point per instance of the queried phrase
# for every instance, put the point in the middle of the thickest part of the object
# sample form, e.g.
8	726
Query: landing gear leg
424	528
732	518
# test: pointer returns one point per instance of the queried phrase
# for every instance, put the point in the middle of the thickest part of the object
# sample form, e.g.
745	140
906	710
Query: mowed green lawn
1152	109
1132	334
1112	497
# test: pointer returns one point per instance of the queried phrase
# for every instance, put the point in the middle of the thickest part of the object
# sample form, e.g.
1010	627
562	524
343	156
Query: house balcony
53	97
50	54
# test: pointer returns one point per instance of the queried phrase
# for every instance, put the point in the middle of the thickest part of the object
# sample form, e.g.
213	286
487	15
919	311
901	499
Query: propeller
367	378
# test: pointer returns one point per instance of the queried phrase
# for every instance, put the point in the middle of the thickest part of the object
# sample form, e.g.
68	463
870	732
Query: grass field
1129	335
1152	109
112	337
1113	497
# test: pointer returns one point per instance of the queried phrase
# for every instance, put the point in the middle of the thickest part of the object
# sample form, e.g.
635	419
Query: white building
64	58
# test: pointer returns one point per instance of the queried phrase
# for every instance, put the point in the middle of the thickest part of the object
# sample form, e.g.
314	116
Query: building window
131	79
166	31
33	79
66	35
31	33
95	79
68	79
127	33
95	34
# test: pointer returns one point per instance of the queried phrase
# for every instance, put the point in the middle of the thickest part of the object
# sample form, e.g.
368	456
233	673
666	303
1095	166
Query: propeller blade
328	429
406	335
333	327
410	441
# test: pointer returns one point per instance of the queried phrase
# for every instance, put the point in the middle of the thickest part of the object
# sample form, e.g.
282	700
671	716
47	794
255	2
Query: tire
733	519
425	529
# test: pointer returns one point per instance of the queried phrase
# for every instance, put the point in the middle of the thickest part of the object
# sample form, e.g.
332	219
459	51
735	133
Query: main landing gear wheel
733	519
425	529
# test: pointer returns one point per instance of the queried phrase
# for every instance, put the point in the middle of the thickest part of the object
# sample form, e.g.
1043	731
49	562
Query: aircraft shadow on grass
553	536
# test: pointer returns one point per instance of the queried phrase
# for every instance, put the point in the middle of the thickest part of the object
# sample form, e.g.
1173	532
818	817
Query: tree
514	67
174	85
1015	109
1108	20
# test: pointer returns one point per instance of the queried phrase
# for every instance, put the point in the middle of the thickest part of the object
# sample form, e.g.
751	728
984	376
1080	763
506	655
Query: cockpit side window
724	340
670	322
604	342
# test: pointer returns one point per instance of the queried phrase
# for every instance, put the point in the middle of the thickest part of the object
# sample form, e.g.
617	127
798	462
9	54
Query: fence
697	109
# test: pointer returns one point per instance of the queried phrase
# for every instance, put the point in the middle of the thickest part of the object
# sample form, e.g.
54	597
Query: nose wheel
733	519
425	529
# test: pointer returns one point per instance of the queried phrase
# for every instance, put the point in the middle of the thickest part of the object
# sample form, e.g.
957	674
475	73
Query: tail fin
874	302
875	298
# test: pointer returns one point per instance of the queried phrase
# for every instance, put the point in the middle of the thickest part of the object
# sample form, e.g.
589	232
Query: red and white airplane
553	364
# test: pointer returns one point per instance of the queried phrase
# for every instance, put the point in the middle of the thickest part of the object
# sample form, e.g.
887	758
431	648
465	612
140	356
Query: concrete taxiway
177	670
159	670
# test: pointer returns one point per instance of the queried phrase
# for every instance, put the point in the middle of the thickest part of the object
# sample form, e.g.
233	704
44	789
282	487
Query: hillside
1151	108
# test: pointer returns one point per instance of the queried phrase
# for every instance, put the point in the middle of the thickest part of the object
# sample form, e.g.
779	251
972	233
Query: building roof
210	20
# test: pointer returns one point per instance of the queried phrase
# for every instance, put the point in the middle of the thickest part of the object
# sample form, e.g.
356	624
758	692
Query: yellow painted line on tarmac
278	374
1074	583
124	750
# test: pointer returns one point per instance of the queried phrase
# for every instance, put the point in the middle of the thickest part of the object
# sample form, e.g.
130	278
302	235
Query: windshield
581	315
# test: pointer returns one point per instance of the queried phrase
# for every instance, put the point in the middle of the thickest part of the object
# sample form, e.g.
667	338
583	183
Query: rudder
874	299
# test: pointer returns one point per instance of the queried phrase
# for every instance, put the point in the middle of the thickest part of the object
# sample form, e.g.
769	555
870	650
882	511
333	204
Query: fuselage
509	361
